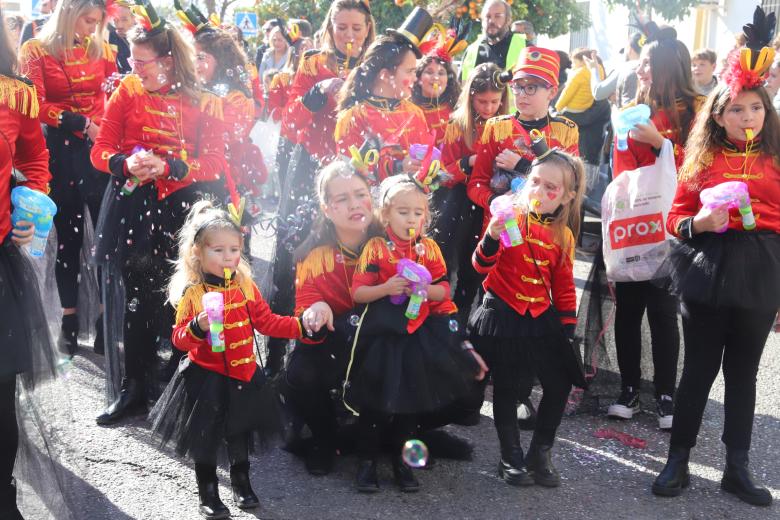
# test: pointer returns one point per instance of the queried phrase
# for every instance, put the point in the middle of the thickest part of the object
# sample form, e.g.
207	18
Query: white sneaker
626	405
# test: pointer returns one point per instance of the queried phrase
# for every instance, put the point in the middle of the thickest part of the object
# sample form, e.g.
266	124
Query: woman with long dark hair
160	141
666	86
68	61
347	31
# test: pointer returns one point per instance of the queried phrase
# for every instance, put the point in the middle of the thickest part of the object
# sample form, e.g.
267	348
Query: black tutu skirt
735	269
400	373
200	409
27	347
496	319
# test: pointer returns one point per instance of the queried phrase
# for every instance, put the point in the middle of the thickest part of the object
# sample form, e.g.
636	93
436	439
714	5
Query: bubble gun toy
504	209
419	279
214	305
733	194
33	206
626	120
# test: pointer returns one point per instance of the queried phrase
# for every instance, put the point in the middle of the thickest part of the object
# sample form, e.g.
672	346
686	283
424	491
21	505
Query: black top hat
415	28
193	19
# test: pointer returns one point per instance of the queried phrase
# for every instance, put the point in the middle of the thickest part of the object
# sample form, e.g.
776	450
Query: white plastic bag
265	135
633	219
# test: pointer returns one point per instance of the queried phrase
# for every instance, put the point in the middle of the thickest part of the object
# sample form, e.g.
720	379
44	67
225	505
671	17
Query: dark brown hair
707	135
705	55
450	94
7	54
230	59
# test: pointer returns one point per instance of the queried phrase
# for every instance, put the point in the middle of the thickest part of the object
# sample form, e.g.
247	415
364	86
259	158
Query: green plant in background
669	9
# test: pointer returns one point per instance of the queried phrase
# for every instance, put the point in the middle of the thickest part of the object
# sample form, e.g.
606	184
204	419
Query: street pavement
118	472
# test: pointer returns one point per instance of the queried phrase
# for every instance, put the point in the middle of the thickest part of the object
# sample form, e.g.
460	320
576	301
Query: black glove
569	330
315	99
72	122
177	169
117	165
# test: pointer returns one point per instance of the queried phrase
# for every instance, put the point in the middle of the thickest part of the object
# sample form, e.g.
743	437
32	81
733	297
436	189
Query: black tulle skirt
496	319
734	269
26	347
400	373
200	409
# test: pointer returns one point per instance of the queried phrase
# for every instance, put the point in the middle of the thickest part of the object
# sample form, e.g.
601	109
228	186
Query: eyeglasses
528	90
140	64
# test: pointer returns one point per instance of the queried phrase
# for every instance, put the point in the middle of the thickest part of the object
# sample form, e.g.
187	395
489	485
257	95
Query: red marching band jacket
378	263
314	130
436	117
23	146
167	123
396	127
244	158
73	84
455	152
509	133
731	162
513	277
245	312
325	275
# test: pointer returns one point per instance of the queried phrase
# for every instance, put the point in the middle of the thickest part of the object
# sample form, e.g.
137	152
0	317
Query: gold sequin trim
538	262
540	243
236	324
748	176
158	131
231	306
535	281
243	361
88	77
530	299
236	344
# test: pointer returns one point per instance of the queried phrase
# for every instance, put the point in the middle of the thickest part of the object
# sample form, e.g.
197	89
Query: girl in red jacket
459	221
215	395
725	265
529	298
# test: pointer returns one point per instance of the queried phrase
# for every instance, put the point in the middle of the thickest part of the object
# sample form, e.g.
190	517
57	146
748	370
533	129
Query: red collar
403	245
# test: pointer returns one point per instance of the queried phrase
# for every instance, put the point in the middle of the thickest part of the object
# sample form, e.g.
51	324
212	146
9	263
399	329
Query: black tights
372	426
238	456
9	432
731	338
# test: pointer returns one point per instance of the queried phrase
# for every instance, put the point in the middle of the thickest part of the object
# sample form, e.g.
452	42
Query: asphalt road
118	472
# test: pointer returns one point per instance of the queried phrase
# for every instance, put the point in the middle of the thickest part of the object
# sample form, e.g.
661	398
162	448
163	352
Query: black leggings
632	298
731	338
513	364
9	432
372	426
74	184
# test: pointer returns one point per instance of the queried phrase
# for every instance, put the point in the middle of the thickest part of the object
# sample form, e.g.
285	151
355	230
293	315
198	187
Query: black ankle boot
8	509
366	480
69	334
404	476
99	345
243	495
675	476
211	506
275	360
511	468
131	401
319	458
738	481
540	466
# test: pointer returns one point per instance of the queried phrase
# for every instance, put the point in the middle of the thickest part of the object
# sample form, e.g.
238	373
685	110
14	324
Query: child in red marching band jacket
68	61
217	394
161	142
529	298
459	221
725	264
347	31
502	152
404	364
375	100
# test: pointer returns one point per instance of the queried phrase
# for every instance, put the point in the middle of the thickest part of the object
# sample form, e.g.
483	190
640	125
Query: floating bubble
415	453
354	320
390	245
289	247
339	258
132	305
419	249
454	325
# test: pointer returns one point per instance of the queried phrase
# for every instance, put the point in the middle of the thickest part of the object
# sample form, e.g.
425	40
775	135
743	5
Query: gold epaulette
132	85
319	261
191	302
252	69
374	250
108	52
32	50
432	250
565	131
281	79
408	106
452	133
211	105
310	65
19	96
244	104
347	118
497	129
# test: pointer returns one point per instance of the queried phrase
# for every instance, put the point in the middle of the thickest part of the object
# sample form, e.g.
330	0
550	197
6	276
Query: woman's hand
203	321
472	159
647	134
316	316
395	286
495	227
507	159
483	368
710	219
22	234
331	86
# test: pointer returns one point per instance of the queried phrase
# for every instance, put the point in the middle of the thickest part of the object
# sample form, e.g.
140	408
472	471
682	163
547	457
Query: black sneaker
665	407
626	405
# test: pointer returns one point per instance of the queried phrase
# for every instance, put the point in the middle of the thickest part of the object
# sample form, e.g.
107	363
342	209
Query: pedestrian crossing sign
247	22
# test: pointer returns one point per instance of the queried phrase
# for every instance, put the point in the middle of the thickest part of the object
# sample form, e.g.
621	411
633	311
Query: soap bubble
132	305
419	249
354	320
453	325
415	453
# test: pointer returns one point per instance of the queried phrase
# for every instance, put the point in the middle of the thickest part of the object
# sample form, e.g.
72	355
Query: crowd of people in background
427	206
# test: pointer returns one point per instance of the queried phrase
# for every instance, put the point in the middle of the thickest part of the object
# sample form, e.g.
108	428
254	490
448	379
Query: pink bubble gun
419	278
504	209
733	194
214	305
